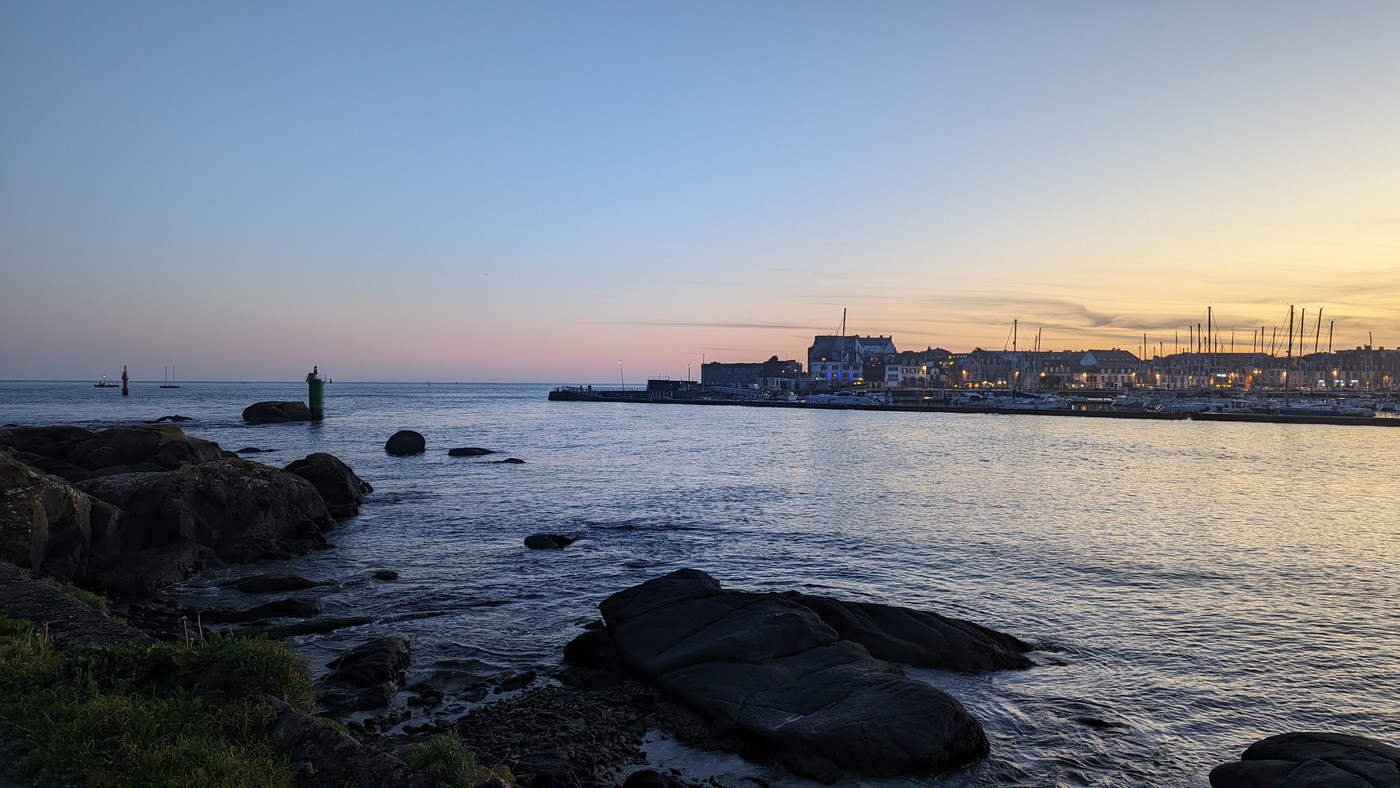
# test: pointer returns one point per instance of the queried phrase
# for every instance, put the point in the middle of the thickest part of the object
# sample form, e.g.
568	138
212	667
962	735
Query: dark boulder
770	669
547	541
252	450
510	461
78	454
651	778
405	442
176	419
339	487
48	525
277	412
385	574
233	510
1303	760
365	677
468	451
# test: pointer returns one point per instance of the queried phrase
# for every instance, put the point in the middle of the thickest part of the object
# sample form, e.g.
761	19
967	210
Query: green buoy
316	393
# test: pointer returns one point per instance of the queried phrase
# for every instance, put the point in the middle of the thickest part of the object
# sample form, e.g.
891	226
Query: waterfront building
850	360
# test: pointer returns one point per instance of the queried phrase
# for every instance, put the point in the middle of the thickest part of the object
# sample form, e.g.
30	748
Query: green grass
445	758
95	601
162	714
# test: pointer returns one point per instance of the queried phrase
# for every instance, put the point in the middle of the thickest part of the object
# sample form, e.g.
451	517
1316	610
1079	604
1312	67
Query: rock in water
468	451
339	487
770	668
365	677
547	541
277	412
405	442
1302	760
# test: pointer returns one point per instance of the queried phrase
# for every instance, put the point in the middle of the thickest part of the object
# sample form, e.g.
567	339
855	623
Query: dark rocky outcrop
277	412
136	508
468	451
365	677
1304	760
404	443
233	511
510	461
385	574
76	454
176	419
339	487
769	668
547	541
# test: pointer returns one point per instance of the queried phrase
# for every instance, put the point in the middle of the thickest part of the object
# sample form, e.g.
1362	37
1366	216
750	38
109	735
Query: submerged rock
1300	760
339	487
290	607
468	451
510	461
277	412
405	442
547	541
771	668
265	583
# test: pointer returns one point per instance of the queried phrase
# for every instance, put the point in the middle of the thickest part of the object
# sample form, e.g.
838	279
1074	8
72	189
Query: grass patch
93	600
160	714
446	759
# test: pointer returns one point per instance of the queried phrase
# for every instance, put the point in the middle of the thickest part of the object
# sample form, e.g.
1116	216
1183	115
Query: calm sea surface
1197	585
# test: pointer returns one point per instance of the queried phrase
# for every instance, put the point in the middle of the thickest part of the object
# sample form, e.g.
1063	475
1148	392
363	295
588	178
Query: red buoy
125	392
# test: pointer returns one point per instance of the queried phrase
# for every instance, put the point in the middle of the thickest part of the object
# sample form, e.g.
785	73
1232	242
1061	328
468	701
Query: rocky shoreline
811	684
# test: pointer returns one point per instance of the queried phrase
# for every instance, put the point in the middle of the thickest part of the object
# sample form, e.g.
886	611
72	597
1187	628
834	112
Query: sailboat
169	378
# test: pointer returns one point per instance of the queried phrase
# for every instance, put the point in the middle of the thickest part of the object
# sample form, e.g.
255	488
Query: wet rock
339	487
405	442
385	574
277	412
916	637
468	451
1302	760
252	450
773	670
281	608
516	682
547	541
175	419
510	461
365	677
260	584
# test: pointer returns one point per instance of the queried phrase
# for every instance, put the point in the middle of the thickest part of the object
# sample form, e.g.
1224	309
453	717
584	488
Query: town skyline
536	191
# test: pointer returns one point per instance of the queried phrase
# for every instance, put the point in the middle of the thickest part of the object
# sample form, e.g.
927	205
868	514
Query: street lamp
619	374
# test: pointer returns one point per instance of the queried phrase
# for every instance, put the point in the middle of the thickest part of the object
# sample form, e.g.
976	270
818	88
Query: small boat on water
105	384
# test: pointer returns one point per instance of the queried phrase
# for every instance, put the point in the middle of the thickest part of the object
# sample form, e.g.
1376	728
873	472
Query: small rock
404	443
510	461
547	541
252	450
385	574
468	451
269	583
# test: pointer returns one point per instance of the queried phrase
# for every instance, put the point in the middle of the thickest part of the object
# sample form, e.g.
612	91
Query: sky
535	191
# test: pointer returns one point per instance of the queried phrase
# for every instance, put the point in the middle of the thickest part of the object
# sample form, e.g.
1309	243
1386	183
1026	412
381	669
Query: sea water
1189	587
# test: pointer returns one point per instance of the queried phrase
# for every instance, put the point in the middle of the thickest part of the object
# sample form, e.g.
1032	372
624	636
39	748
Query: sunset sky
521	191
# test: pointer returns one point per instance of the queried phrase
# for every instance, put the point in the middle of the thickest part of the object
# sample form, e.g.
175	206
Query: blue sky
532	191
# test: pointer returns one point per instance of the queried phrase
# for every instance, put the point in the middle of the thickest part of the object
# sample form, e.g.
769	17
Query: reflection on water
1190	587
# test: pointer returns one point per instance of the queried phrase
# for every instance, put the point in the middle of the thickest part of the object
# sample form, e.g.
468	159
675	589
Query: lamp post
619	374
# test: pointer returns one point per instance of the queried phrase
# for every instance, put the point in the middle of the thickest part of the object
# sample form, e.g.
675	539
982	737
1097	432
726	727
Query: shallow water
1195	585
